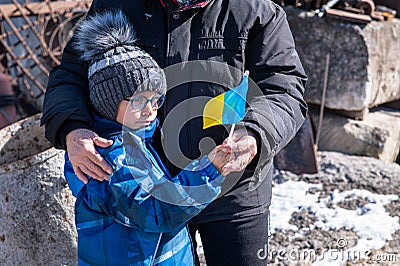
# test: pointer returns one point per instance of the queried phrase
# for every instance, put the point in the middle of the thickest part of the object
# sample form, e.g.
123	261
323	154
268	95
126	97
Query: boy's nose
148	108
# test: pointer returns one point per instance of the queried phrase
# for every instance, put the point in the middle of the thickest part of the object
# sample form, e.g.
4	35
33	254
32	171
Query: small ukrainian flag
228	107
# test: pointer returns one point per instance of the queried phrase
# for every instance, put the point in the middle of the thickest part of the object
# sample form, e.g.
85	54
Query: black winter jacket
228	36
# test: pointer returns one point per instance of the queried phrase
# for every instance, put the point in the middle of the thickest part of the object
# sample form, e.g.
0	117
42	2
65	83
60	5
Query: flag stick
231	134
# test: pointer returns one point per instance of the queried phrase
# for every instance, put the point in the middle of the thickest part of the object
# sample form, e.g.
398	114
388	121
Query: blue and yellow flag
228	107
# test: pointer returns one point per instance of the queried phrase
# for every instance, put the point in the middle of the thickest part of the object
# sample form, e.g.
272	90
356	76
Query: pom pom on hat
117	67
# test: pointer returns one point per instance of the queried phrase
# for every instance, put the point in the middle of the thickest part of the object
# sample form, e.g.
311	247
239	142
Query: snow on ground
287	198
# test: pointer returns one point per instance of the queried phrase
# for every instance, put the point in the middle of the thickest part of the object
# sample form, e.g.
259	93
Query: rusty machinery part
357	11
32	38
307	4
366	6
355	6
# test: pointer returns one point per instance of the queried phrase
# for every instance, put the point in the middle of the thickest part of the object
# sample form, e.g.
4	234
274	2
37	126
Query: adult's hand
83	156
243	148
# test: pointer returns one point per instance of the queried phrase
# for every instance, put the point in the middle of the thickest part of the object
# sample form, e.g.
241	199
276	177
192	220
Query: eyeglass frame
153	105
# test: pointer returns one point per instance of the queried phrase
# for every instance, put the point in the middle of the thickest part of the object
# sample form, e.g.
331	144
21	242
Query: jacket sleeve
276	105
136	198
65	105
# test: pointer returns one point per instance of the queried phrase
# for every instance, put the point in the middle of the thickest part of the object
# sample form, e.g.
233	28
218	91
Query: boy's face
143	114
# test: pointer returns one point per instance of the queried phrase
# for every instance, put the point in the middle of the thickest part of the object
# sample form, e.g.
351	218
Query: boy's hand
83	156
219	158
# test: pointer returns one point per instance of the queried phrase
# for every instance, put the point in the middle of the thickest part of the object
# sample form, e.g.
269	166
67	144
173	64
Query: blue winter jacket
139	216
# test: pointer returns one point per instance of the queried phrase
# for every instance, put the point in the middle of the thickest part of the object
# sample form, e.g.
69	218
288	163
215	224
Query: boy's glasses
138	103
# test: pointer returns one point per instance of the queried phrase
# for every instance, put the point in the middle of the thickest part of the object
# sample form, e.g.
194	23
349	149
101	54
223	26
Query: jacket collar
107	128
143	133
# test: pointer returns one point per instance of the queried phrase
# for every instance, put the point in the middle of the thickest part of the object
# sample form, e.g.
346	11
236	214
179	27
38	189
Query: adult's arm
66	101
66	114
277	109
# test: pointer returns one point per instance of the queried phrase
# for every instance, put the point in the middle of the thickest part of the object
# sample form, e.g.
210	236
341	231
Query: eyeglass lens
140	102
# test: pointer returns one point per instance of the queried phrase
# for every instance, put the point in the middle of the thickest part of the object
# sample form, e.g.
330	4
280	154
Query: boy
138	216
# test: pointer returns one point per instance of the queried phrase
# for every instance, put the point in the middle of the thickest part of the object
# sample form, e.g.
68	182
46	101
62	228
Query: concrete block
364	68
378	135
36	205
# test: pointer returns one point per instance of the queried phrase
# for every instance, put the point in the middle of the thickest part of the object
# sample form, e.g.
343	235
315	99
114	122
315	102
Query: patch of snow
287	198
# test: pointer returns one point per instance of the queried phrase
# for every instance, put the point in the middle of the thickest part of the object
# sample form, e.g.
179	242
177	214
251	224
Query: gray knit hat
117	67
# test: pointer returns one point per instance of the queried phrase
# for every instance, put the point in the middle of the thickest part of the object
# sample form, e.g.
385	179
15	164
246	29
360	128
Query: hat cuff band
115	59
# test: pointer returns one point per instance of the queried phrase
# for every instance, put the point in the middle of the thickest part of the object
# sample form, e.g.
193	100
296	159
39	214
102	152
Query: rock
36	205
364	69
378	135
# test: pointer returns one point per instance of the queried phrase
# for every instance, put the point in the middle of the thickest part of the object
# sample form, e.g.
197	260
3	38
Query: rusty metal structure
357	11
32	38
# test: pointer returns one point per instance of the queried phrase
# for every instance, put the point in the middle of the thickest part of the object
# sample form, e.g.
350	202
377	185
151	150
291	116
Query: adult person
244	34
